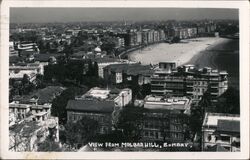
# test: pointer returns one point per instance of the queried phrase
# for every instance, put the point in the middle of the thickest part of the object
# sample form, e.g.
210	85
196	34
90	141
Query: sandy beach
181	53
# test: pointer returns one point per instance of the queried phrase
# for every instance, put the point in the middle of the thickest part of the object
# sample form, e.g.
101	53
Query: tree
68	50
176	40
146	90
229	102
81	132
108	45
130	122
39	81
49	146
59	103
196	119
25	79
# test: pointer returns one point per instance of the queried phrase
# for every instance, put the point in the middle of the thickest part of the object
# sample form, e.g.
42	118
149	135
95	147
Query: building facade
128	73
221	129
187	80
100	105
165	118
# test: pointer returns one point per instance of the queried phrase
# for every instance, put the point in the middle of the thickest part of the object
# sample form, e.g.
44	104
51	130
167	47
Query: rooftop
161	102
15	59
228	126
26	66
217	148
131	69
98	93
101	94
105	60
45	95
17	105
26	128
91	106
45	57
211	119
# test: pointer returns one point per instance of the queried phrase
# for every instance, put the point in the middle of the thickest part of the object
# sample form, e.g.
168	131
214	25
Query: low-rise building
23	111
31	70
126	73
12	49
40	96
99	104
103	62
28	47
28	134
221	130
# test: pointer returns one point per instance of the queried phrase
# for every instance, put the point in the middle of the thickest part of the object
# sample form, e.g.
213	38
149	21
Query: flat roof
105	60
228	126
131	69
172	103
102	93
211	119
90	106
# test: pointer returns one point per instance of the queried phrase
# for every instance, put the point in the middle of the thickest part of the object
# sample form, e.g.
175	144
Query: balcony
214	93
158	84
214	87
189	92
157	91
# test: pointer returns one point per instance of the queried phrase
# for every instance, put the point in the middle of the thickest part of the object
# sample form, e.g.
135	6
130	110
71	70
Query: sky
43	15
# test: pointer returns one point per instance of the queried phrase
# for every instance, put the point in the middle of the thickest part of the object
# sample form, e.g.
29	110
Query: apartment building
99	104
221	131
187	80
165	118
128	73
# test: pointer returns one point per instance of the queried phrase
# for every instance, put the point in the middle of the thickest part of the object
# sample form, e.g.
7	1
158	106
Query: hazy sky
19	15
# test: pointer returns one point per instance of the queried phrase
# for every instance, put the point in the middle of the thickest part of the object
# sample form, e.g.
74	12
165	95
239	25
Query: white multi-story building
223	130
31	70
102	105
120	98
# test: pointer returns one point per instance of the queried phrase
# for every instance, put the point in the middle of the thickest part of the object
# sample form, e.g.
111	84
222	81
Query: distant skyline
43	15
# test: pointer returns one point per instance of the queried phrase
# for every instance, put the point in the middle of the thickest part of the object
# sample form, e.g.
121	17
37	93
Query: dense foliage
59	103
130	122
229	102
79	133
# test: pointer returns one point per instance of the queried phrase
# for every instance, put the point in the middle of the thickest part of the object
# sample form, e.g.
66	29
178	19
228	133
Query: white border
243	7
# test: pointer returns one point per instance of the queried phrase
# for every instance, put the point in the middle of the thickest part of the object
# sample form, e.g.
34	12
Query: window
102	130
225	138
209	138
146	133
203	90
151	134
157	135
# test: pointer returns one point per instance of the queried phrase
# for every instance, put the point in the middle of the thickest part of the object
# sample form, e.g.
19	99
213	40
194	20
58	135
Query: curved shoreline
181	53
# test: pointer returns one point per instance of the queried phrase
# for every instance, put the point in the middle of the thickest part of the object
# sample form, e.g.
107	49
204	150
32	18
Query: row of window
153	134
165	125
201	90
156	125
200	83
159	135
76	117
